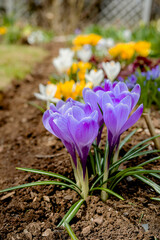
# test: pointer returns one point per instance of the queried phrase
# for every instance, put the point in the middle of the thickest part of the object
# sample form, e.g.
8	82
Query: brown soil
34	212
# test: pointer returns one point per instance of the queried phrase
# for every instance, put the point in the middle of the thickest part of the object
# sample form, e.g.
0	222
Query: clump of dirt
33	213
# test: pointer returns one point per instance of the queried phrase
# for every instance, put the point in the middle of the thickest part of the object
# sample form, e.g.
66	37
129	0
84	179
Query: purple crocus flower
117	106
153	74
76	125
116	102
131	81
94	99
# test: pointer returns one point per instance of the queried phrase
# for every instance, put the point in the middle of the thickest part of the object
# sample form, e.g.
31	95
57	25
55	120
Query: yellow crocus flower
143	48
91	39
3	30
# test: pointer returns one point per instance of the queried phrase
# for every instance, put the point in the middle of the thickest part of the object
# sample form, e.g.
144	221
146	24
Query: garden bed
34	212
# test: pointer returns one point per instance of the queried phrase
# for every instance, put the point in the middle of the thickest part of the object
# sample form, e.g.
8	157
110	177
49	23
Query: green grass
17	61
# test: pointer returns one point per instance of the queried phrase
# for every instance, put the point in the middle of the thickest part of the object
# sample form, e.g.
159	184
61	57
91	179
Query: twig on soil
49	156
151	128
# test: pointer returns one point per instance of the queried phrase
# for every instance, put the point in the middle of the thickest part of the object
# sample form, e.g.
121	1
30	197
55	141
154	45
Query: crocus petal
120	88
110	118
122	112
53	108
40	96
107	85
88	77
60	104
90	97
42	89
133	119
59	126
71	149
106	99
127	101
86	132
136	91
77	113
45	120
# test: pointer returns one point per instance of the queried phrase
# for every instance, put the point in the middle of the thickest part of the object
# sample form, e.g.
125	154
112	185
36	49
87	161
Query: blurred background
64	16
33	22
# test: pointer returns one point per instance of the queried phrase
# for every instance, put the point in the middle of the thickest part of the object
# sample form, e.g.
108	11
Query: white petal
42	89
40	96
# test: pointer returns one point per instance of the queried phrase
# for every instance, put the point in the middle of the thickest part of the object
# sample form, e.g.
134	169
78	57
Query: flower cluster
78	70
91	39
70	89
127	50
78	125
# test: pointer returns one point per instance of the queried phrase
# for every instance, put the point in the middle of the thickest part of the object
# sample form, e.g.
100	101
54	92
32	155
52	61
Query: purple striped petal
133	119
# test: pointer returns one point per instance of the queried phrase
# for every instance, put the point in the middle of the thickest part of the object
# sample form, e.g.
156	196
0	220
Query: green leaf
141	143
71	212
97	180
127	138
126	158
108	191
144	153
148	161
106	150
92	163
55	175
100	109
152	184
39	183
136	151
98	167
121	173
155	175
37	106
132	173
70	231
156	199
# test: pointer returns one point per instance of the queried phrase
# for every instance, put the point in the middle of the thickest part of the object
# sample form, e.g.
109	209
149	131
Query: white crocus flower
66	52
127	35
111	69
96	77
62	63
105	43
47	93
85	53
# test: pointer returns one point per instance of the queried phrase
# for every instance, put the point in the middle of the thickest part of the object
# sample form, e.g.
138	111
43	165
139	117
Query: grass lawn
18	60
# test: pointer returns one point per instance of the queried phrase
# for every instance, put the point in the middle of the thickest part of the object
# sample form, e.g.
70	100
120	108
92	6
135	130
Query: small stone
28	235
125	214
145	226
86	230
129	179
46	198
24	120
34	228
68	197
47	232
98	220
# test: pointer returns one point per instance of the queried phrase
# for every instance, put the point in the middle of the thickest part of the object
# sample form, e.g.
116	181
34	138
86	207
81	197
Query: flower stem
48	104
151	128
85	188
81	182
104	195
115	158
